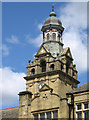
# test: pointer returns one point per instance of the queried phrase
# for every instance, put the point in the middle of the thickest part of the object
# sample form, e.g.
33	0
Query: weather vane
53	7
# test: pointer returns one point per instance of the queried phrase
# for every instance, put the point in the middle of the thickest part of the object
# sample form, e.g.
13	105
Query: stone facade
81	99
50	76
81	102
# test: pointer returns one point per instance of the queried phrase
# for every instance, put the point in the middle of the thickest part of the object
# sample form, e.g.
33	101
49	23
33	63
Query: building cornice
50	73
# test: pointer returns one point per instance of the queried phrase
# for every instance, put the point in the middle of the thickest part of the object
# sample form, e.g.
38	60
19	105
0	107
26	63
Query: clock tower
49	77
52	34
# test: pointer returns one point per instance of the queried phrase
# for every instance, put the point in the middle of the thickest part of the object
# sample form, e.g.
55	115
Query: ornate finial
29	61
52	13
52	7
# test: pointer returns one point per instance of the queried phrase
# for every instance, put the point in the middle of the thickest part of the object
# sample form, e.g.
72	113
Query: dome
52	19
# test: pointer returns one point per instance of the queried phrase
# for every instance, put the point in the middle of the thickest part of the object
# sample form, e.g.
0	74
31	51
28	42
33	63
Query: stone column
37	67
28	67
58	65
47	64
75	74
64	68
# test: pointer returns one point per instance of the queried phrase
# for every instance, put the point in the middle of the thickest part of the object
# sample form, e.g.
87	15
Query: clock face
40	85
42	51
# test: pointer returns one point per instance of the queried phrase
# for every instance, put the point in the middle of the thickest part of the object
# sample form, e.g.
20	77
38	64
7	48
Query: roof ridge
9	108
83	84
82	88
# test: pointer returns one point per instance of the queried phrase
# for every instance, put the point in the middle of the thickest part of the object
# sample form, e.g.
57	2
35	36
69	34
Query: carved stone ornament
53	80
31	84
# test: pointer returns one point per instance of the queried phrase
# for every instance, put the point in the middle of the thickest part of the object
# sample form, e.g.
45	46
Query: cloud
74	19
75	15
5	50
13	39
78	49
40	26
35	41
11	83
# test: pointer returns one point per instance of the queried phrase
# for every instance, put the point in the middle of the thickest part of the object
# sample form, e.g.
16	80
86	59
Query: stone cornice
38	111
50	73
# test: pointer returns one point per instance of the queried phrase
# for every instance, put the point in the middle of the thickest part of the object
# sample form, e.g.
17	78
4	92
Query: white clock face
42	51
40	85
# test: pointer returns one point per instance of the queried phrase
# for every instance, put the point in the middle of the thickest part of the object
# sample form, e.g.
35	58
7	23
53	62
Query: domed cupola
52	33
53	19
52	24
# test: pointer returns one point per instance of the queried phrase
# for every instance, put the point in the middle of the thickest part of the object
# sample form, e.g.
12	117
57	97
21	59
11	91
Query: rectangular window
42	116
86	115
35	116
55	114
79	107
48	114
86	105
79	116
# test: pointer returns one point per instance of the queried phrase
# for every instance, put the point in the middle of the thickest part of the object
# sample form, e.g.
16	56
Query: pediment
45	88
42	50
67	52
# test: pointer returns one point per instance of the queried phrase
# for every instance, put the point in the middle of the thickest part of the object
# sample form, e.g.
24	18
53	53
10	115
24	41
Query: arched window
67	67
73	73
54	36
59	36
52	67
47	36
33	71
43	65
61	66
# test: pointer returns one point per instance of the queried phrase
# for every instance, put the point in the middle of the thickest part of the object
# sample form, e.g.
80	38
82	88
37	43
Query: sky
22	37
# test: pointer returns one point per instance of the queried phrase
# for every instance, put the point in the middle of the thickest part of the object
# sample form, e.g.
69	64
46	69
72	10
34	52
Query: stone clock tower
49	77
